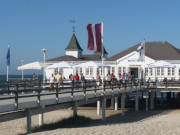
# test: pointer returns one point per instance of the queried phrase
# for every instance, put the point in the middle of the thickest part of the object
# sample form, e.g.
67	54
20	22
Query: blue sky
30	25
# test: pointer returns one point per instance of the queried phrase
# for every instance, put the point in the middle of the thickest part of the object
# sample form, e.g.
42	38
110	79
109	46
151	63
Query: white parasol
34	65
62	64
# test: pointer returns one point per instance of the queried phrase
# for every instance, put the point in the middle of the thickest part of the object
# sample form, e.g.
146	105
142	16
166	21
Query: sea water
13	77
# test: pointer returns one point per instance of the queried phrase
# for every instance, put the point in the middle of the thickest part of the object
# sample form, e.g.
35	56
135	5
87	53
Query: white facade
77	54
126	64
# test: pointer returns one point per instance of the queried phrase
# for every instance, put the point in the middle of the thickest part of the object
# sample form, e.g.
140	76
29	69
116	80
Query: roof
72	58
105	52
73	44
157	50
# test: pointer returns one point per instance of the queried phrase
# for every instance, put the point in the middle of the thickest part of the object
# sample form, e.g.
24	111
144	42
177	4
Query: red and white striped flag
94	37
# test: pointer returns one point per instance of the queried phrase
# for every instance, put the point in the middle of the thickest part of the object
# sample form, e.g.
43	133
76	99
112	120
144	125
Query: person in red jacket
76	80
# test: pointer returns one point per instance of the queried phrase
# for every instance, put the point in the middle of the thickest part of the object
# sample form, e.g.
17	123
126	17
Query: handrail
38	89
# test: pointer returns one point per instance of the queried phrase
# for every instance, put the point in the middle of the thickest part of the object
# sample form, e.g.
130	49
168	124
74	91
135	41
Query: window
158	71
124	69
119	70
91	71
150	72
87	71
80	70
108	69
146	71
61	71
55	71
162	71
98	70
76	70
113	69
172	71
169	71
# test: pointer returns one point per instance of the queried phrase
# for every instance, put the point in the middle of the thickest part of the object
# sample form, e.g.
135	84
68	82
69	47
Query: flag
94	37
8	57
141	51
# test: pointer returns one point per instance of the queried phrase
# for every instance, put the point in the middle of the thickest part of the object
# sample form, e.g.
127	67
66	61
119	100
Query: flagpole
7	79
144	61
8	63
102	55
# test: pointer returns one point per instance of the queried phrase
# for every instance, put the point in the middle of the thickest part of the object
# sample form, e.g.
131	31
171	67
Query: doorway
134	72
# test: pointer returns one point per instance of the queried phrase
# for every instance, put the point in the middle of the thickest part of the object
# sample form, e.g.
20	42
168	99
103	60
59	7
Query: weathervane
73	22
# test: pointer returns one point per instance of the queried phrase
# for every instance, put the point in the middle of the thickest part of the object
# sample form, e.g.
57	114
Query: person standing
34	77
76	80
82	80
59	79
98	78
109	79
52	80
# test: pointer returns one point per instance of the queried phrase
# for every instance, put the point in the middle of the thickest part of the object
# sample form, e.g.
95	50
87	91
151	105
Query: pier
26	99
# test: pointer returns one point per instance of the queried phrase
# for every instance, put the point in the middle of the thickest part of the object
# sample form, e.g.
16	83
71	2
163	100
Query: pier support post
29	113
116	103
112	103
104	108
122	104
152	100
136	102
147	100
98	107
41	117
75	108
162	97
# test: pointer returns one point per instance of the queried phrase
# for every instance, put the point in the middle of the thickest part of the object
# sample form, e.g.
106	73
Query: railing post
116	103
104	88
104	108
95	89
112	87
39	93
136	101
29	113
8	83
57	89
98	107
16	96
119	85
75	108
84	88
125	84
62	84
72	88
122	104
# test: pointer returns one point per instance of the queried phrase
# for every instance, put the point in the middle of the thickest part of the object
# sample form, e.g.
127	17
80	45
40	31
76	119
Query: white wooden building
123	62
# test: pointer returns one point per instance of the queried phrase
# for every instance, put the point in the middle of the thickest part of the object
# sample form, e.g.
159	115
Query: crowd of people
77	80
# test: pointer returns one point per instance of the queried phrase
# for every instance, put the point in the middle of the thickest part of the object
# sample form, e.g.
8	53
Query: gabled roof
64	58
72	58
158	50
73	44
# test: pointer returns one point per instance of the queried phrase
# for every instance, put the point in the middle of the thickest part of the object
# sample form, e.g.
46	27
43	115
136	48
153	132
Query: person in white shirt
52	81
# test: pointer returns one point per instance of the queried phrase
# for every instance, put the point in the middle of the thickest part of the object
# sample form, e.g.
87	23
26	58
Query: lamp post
22	61
44	51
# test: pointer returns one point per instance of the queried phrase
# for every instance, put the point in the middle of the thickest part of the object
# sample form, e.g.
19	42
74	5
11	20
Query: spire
73	44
